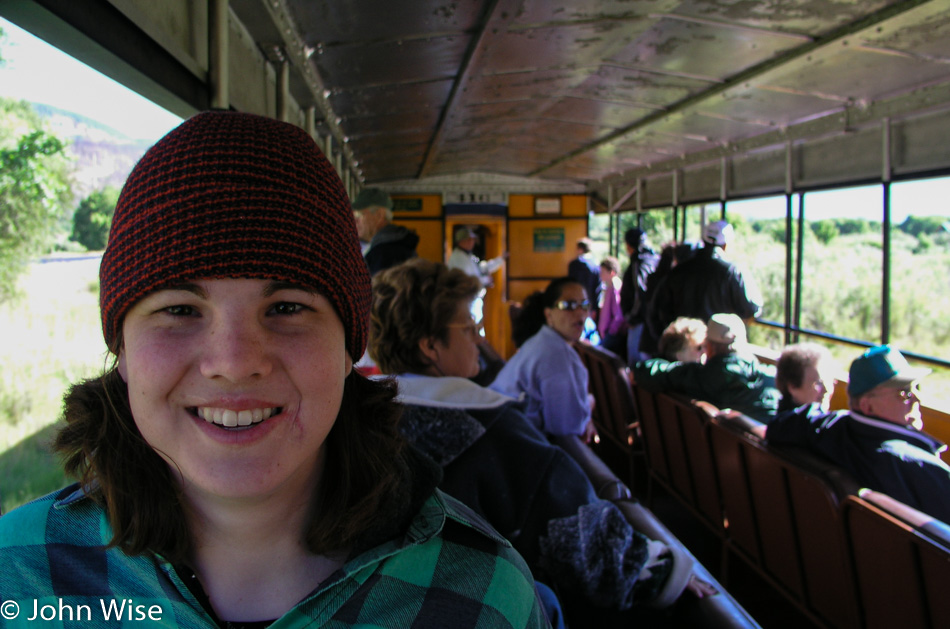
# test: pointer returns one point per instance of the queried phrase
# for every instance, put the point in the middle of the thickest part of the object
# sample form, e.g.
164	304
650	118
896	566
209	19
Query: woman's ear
121	366
429	350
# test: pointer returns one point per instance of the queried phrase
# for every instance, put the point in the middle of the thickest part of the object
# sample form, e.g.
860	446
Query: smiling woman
233	465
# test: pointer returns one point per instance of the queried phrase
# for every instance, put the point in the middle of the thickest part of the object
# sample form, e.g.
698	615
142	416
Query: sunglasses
571	305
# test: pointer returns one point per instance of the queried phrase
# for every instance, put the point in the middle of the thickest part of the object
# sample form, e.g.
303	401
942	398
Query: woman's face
236	383
818	385
568	316
693	352
458	356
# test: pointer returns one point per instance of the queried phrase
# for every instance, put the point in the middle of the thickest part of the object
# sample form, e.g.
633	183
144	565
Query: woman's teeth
229	418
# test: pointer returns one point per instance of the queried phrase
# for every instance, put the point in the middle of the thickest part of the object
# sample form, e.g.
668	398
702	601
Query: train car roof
584	94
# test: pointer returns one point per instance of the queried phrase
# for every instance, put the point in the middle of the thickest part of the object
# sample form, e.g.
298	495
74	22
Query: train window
920	261
759	249
843	262
693	217
920	268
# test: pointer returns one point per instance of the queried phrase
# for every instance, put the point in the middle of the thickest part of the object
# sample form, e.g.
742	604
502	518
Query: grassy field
51	338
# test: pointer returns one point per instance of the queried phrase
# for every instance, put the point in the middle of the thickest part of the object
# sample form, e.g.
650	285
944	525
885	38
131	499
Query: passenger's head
805	374
882	384
725	334
235	297
373	210
718	234
231	195
562	306
609	268
465	237
633	239
584	246
421	320
685	251
683	341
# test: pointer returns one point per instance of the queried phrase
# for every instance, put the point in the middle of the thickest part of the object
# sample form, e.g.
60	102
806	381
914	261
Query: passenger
386	244
547	370
494	460
610	322
805	375
684	341
879	440
234	469
650	336
464	260
585	271
633	301
730	378
707	284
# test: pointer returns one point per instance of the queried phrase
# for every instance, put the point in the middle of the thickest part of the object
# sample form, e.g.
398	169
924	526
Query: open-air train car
526	118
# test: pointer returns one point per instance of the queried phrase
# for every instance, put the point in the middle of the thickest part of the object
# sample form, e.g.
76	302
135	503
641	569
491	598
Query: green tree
930	225
825	230
34	189
93	218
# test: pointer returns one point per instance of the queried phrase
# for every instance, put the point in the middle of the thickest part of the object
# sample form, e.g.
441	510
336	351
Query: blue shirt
553	380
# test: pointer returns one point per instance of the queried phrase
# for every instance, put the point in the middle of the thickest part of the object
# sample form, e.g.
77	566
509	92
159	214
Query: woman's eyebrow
189	287
275	286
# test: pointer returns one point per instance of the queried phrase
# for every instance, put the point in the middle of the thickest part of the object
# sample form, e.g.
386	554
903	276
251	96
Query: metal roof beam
471	55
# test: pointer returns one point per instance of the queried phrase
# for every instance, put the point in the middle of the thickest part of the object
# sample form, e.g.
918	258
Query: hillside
104	156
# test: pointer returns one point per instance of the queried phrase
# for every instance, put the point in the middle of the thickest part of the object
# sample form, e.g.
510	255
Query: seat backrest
651	432
801	532
901	573
693	474
614	411
729	450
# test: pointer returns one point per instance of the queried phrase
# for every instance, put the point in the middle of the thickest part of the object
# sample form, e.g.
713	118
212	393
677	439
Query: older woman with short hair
494	460
804	374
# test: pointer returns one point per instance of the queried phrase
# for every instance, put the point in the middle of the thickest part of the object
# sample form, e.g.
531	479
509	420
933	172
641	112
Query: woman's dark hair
531	318
101	446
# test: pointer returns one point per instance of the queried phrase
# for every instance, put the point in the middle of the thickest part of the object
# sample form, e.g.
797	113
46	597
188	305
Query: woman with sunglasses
546	370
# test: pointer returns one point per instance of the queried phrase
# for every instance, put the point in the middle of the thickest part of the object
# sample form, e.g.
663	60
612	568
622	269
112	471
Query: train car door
491	243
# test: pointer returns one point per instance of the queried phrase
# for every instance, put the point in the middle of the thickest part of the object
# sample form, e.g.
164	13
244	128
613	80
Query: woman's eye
286	308
180	311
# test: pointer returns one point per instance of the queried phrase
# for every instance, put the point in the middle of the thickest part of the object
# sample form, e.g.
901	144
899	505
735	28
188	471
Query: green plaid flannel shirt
449	570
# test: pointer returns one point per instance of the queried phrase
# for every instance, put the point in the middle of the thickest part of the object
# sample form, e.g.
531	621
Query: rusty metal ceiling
586	90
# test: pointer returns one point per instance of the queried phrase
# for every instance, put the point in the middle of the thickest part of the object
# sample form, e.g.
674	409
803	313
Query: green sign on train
549	240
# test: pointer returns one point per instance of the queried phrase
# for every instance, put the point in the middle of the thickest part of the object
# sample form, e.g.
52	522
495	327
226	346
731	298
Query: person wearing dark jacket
497	462
386	244
879	441
643	262
706	284
730	378
586	272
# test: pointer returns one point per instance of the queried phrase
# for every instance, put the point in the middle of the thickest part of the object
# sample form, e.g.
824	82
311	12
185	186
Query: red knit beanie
231	195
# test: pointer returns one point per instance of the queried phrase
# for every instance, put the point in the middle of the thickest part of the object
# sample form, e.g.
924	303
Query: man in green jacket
731	377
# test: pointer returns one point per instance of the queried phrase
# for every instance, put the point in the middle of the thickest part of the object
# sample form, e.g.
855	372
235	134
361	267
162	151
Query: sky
37	72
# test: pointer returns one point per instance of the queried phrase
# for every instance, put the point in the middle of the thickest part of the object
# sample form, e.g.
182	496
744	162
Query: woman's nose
235	351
